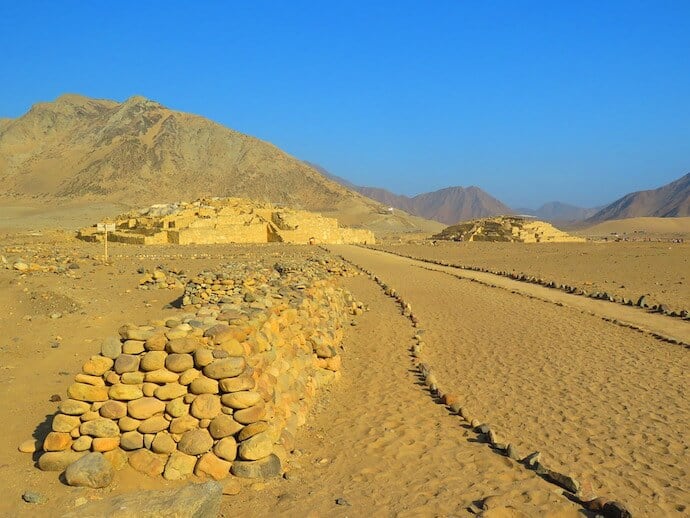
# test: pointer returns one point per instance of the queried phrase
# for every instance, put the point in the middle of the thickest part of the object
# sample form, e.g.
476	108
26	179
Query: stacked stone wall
218	391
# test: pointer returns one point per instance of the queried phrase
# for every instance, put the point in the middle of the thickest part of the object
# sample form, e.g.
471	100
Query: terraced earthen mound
513	229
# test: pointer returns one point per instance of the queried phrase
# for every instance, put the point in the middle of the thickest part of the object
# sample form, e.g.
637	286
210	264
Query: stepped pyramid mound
226	220
512	229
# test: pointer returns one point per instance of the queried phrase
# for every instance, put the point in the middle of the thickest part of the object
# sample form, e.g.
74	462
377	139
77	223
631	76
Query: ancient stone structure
213	392
506	228
226	220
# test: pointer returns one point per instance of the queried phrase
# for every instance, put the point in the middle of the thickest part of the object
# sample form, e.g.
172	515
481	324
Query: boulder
91	470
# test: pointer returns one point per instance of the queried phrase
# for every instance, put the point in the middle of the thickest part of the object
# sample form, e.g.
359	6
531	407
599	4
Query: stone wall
217	391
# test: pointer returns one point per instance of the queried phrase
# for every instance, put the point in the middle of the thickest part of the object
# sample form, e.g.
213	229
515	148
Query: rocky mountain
559	211
139	152
670	200
448	205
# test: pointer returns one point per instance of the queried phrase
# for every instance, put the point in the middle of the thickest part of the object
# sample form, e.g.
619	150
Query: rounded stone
179	466
58	460
250	415
97	365
153	424
131	440
111	347
205	406
170	391
161	376
251	430
225	368
123	392
203	357
156	342
147	462
145	407
242	399
183	424
204	385
177	407
73	407
132	378
163	443
91	470
113	409
265	468
83	443
184	345
127	424
89	393
65	423
133	347
211	466
153	360
195	442
148	389
126	363
188	376
96	381
226	449
179	362
256	447
100	428
237	384
57	441
104	444
223	426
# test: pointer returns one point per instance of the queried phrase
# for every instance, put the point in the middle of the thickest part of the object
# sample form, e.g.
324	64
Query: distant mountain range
668	201
559	211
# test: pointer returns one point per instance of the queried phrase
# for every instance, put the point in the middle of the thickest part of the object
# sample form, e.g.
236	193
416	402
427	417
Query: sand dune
640	227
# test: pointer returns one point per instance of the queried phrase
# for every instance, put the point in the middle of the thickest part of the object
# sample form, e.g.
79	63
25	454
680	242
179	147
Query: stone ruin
218	391
513	229
226	220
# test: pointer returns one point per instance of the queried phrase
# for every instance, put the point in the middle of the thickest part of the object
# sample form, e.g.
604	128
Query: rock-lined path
380	446
602	402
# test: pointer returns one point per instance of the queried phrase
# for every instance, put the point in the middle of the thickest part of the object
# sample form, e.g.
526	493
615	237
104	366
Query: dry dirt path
602	402
389	449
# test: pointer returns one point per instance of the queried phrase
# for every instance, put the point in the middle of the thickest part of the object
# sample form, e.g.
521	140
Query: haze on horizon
532	102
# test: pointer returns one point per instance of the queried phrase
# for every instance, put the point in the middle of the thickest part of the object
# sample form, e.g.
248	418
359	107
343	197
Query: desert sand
603	403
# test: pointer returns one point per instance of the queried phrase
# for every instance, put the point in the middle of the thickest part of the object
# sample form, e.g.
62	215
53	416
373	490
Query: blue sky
532	101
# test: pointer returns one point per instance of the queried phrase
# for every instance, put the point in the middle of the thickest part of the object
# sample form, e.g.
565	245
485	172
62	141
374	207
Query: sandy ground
602	402
661	271
613	411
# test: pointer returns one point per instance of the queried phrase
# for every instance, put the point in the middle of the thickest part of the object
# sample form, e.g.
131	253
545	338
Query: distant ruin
512	229
225	220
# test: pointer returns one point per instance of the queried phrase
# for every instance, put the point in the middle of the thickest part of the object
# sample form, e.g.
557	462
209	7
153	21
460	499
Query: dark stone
642	302
92	470
31	497
615	510
267	467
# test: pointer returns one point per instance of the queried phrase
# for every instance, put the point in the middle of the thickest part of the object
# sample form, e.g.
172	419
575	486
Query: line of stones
547	284
573	290
607	508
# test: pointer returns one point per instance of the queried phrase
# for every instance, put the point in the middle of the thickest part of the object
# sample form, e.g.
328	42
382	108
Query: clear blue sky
532	101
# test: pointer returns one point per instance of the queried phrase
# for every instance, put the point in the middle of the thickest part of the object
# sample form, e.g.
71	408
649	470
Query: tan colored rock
57	441
90	415
184	345
179	466
203	357
111	377
127	424
153	425
113	409
161	376
29	446
148	389
97	365
122	392
233	347
226	449
83	443
100	427
256	447
58	460
96	381
177	407
203	385
205	406
242	399
179	331
170	391
163	443
183	424
251	430
103	444
145	407
250	415
126	363
147	462
73	407
211	466
223	426
225	368
65	423
131	440
189	376
153	360
175	362
117	458
232	486
132	378
84	392
195	442
237	384
156	342
133	347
